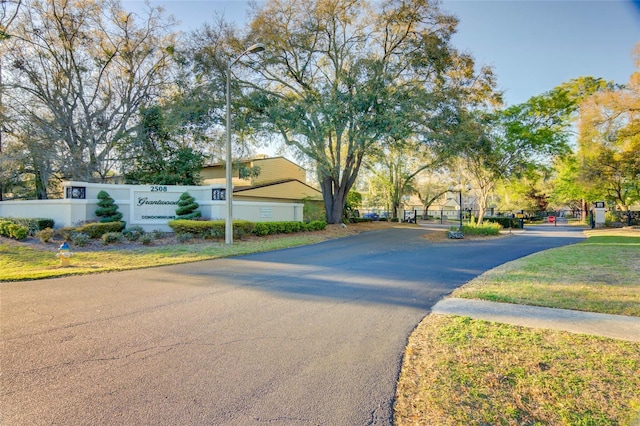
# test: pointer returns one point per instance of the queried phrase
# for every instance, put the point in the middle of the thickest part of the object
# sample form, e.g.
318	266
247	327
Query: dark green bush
107	210
97	230
133	233
504	221
187	207
210	228
360	219
272	228
316	225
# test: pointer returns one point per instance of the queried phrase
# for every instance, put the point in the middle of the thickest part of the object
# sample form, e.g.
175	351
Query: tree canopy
342	77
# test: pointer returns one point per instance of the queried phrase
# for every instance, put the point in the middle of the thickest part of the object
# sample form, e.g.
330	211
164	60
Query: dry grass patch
461	371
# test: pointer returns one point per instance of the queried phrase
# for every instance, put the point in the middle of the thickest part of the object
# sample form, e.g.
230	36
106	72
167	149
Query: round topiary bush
187	207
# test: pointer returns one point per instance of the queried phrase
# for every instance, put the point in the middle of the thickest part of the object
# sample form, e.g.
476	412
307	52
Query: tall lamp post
228	225
459	190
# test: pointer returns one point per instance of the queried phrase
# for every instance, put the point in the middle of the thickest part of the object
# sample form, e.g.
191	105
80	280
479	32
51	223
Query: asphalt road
304	336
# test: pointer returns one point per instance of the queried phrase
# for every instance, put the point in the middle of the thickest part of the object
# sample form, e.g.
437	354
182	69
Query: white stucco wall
148	206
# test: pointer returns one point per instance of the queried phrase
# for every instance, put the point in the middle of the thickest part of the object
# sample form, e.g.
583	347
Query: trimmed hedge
484	229
216	228
33	224
97	230
210	228
504	221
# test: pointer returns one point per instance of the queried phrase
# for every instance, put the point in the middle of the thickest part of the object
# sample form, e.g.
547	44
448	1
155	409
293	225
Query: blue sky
532	45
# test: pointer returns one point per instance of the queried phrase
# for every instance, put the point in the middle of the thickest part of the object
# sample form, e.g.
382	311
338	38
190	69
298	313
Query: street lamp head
255	48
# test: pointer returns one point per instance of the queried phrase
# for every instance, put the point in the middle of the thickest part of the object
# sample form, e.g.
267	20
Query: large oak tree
77	73
341	78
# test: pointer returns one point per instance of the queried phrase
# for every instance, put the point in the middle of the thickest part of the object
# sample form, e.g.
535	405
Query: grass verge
19	263
600	274
462	371
459	371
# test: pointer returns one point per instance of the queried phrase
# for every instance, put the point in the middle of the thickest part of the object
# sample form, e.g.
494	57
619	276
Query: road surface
305	336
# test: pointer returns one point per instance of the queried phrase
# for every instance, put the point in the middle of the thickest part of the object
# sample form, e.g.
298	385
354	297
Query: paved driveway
304	336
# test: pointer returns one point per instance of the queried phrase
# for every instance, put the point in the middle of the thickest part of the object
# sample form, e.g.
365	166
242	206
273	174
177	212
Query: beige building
264	179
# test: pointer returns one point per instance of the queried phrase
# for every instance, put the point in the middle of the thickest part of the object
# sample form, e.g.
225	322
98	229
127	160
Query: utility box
598	214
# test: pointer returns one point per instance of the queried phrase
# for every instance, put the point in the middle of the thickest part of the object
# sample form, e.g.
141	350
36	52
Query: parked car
372	216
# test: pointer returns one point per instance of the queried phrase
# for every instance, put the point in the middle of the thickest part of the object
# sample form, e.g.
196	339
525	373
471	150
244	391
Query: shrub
158	234
33	225
271	228
360	219
11	230
184	237
484	229
210	229
108	209
504	221
45	235
97	230
64	233
18	232
112	237
316	225
4	227
80	239
187	207
146	239
134	233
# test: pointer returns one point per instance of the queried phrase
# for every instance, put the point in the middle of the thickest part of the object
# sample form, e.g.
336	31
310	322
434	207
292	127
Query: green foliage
313	210
133	233
216	228
354	202
33	225
363	219
187	207
12	230
272	228
484	229
158	159
210	228
96	230
146	239
45	235
504	221
184	237
80	239
107	208
112	237
353	99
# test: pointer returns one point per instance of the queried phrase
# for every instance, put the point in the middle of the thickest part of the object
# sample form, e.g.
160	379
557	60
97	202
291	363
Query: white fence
148	206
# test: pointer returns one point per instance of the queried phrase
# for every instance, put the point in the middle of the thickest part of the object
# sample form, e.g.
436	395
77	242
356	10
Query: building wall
148	206
274	169
271	170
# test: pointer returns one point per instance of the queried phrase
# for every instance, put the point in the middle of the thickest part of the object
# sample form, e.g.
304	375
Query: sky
532	46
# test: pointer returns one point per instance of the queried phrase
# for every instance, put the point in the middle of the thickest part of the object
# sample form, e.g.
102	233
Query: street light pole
460	192
228	225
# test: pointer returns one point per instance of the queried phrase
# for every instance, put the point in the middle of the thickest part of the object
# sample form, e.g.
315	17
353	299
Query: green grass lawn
19	263
600	274
457	370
